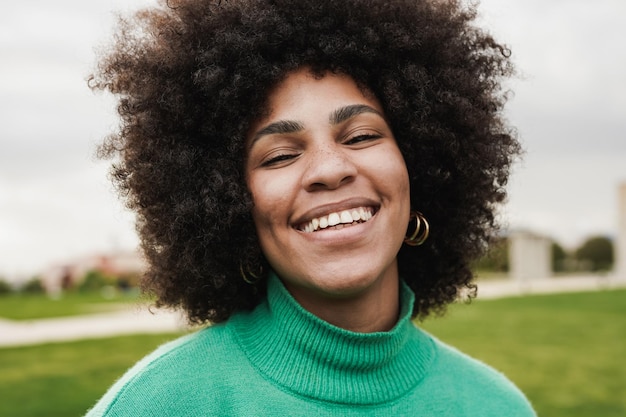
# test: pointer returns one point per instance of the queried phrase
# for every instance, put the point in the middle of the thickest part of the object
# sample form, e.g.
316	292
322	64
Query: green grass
486	275
566	352
66	379
30	306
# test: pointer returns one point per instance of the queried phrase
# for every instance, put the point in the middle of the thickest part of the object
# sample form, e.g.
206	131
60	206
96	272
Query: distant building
121	264
529	256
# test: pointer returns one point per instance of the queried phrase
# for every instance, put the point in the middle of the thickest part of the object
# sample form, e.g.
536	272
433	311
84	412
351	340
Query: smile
338	220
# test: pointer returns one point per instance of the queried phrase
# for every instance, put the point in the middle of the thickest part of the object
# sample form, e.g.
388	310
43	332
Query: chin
350	282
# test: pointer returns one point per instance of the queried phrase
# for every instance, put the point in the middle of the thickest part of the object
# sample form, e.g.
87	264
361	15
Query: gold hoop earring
422	229
254	278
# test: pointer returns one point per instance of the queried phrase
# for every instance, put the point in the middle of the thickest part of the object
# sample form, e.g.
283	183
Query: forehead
302	91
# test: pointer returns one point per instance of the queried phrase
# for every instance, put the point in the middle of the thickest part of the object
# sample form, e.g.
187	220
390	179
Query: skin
325	147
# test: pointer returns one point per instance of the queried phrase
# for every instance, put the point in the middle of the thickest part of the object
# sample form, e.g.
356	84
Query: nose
329	167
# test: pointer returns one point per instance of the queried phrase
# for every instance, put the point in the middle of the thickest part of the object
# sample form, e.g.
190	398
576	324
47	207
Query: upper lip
339	206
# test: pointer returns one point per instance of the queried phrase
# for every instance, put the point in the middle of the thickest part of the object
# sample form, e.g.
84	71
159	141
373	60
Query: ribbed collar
310	357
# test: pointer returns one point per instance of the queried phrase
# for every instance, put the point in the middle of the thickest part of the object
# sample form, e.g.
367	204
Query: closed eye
275	160
362	138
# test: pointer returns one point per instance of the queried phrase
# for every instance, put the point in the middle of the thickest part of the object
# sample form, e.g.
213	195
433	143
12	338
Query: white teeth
333	219
346	217
338	219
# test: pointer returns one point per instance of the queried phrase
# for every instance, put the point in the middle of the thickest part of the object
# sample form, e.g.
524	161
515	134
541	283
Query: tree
559	257
596	253
496	259
93	281
33	286
5	287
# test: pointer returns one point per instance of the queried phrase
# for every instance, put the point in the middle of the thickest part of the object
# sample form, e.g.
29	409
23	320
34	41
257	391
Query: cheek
398	177
406	185
270	214
270	202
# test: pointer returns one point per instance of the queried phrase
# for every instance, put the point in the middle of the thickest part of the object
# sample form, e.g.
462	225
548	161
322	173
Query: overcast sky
56	202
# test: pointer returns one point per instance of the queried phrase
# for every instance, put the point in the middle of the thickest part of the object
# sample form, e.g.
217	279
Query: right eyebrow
279	127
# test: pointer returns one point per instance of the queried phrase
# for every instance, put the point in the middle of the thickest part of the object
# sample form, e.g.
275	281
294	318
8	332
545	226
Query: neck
304	354
374	309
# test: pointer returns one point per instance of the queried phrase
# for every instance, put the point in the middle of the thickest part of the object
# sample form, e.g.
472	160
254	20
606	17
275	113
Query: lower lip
347	234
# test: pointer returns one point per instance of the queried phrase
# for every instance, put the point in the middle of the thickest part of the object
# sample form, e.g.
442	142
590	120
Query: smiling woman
337	156
280	155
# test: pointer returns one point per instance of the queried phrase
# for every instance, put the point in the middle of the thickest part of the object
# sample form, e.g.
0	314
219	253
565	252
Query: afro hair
191	76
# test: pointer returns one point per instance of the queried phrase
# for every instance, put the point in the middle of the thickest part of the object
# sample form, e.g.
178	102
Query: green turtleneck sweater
280	360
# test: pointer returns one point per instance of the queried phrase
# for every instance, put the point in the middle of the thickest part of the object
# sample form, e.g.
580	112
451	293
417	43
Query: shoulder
477	388
171	372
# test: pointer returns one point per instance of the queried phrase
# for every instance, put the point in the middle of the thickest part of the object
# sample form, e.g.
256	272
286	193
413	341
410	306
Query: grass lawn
29	306
65	379
566	352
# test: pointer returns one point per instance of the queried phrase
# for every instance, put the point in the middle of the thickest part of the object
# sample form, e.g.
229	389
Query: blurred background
63	230
58	207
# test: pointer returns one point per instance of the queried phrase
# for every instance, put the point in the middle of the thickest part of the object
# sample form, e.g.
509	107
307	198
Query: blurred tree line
32	286
92	281
594	255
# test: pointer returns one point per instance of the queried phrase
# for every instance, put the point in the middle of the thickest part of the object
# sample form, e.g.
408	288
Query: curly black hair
192	75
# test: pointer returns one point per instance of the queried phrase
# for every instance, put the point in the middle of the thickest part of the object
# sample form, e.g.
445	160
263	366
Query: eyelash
362	138
278	158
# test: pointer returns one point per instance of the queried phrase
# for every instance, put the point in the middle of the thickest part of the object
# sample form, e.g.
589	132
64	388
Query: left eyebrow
345	113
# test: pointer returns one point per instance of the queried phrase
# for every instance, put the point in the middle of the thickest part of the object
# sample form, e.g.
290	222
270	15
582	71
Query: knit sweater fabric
281	360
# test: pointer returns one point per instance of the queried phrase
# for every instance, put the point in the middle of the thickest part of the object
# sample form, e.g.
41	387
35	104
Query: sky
568	103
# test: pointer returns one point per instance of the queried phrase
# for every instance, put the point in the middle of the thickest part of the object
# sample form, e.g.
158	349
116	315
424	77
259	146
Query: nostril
330	183
330	170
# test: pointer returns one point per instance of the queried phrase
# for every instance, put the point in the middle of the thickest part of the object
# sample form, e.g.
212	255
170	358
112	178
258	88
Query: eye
359	138
277	159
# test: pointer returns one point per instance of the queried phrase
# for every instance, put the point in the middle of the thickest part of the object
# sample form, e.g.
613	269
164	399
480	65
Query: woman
309	176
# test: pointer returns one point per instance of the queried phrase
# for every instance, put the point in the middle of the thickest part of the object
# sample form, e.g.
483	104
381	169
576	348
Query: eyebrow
348	112
338	116
280	127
